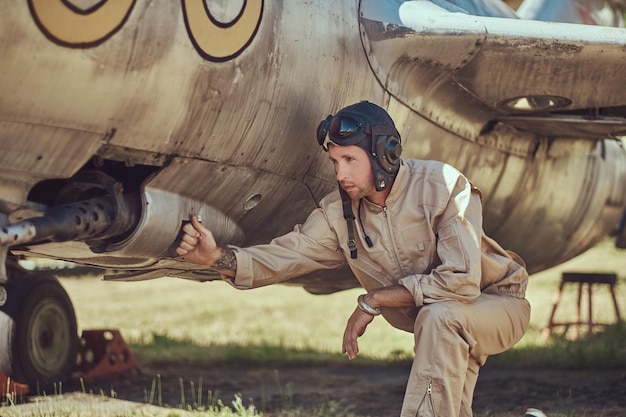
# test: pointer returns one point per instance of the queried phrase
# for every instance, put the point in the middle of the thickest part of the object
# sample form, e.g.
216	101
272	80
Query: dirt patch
367	390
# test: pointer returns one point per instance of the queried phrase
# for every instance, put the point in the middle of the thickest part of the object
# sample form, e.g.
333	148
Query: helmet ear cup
388	150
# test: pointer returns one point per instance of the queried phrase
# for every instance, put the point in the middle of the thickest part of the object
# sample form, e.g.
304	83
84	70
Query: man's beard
354	191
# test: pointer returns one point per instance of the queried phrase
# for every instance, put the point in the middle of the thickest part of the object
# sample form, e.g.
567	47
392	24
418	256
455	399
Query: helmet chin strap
348	215
346	202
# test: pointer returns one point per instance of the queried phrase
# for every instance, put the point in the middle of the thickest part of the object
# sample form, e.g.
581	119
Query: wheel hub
49	337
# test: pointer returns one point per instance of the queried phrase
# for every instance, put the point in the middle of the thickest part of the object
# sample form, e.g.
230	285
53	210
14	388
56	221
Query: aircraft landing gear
38	335
38	332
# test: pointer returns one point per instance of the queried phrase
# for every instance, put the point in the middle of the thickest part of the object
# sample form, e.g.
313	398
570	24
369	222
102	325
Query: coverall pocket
451	249
419	241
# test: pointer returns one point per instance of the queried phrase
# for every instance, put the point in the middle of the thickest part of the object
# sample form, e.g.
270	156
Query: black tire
41	340
14	292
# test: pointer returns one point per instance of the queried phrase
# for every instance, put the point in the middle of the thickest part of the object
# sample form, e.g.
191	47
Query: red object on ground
103	353
8	387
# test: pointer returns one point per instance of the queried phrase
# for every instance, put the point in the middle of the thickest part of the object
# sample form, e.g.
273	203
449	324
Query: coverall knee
452	341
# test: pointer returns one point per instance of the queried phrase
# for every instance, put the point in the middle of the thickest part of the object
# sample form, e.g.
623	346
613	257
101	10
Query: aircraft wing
552	79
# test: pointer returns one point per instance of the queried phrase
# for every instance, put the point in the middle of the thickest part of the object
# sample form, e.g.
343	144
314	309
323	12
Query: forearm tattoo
227	261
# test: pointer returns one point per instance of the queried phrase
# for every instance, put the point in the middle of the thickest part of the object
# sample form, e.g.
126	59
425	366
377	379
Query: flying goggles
343	131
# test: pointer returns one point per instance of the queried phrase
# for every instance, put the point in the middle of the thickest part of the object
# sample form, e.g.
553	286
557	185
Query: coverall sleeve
309	247
456	217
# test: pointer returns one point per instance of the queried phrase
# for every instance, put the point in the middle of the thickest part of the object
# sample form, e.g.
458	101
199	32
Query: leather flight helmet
369	127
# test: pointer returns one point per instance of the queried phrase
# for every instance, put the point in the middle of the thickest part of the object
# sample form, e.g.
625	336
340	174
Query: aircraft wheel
38	332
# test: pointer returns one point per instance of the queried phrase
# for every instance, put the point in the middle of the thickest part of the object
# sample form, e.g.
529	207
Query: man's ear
388	150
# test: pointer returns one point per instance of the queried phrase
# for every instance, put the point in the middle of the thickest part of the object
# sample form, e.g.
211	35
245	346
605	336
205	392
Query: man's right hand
357	323
198	244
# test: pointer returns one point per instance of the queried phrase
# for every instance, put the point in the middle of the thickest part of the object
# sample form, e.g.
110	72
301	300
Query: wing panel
462	71
582	63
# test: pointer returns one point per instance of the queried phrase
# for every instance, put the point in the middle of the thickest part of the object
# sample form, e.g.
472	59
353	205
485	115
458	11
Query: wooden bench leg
590	310
557	299
578	303
617	314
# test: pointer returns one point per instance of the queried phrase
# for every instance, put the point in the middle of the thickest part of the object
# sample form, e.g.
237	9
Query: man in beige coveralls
411	232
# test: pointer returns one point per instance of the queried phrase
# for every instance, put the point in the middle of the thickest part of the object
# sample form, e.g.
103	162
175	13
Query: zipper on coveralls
426	407
393	247
429	393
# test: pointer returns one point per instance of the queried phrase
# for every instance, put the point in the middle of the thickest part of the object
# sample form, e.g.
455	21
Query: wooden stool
581	278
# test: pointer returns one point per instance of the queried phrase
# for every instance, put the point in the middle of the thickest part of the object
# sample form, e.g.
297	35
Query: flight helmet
369	127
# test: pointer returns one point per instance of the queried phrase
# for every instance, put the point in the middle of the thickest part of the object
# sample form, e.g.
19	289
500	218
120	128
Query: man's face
353	170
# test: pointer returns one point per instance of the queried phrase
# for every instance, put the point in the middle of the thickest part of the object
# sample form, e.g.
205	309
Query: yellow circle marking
222	41
73	27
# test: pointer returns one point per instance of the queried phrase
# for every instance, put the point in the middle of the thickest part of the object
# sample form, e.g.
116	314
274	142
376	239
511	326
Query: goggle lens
341	130
344	127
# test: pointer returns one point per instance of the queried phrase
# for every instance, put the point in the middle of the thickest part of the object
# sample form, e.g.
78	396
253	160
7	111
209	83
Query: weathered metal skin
218	119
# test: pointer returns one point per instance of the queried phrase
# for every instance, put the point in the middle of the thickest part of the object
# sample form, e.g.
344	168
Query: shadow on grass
605	349
165	350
